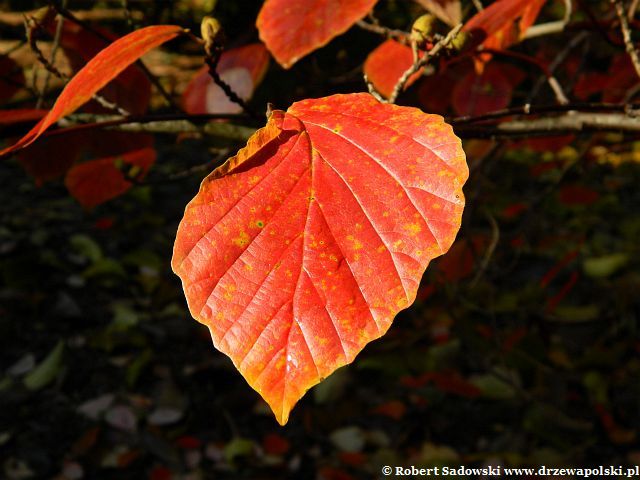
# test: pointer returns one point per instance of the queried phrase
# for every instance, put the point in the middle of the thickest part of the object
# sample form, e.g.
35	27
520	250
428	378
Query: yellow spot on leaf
357	244
242	239
413	228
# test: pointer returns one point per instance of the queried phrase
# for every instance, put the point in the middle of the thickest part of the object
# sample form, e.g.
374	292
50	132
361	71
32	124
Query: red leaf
302	248
497	26
386	64
97	73
53	155
292	29
97	181
242	68
475	94
275	444
500	14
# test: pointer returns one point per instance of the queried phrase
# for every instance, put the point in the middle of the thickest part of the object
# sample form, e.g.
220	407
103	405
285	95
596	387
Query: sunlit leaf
302	248
292	29
96	181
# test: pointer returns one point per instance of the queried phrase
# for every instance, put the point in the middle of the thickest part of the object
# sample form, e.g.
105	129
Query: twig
495	238
127	14
478	5
632	10
212	63
557	61
626	35
32	28
551	27
528	109
571	122
399	35
372	89
213	40
52	59
417	65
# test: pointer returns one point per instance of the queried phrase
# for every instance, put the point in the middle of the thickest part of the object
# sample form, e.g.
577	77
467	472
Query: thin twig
399	35
127	14
422	62
626	35
528	109
495	238
52	59
478	5
631	13
212	63
33	27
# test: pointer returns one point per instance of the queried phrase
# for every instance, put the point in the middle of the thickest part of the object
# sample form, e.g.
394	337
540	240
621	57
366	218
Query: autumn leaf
105	66
242	68
302	248
386	64
501	24
96	181
293	28
475	94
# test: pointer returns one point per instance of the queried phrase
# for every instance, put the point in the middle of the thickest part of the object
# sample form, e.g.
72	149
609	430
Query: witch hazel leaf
99	71
293	28
303	247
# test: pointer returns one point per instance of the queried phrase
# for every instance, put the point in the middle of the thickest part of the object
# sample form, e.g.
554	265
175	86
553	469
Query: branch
626	35
169	124
399	35
571	122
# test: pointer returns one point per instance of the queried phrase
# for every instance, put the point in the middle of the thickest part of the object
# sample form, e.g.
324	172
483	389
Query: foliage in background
522	348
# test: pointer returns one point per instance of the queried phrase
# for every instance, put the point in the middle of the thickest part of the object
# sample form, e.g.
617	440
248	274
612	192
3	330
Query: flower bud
422	28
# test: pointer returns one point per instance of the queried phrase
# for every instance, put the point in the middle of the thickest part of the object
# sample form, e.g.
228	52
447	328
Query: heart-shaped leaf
302	248
293	28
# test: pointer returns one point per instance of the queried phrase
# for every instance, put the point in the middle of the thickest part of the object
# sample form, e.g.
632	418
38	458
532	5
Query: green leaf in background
47	370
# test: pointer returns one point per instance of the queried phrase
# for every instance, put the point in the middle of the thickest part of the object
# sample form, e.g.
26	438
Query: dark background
522	348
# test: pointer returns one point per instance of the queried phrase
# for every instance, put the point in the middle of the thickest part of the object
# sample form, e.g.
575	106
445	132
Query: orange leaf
497	26
293	28
97	181
302	248
386	64
97	73
242	68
